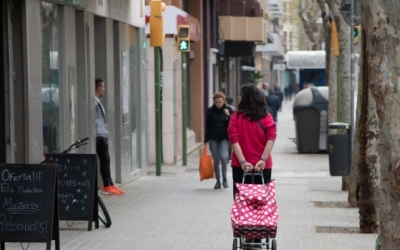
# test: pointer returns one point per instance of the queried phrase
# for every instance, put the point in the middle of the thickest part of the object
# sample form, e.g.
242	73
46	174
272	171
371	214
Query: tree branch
308	29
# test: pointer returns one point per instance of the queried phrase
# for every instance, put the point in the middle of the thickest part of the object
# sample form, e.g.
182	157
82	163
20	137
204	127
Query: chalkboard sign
77	186
28	204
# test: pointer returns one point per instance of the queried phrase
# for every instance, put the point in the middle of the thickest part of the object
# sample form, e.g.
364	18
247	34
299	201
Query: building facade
176	13
52	52
247	40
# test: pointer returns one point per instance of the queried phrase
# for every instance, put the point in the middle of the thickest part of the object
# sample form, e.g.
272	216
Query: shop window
50	76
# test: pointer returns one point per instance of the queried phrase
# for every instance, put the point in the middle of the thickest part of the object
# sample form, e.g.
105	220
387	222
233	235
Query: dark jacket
279	94
271	112
275	104
217	123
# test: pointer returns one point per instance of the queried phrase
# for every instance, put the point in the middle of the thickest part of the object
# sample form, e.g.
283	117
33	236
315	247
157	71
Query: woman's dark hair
252	103
98	82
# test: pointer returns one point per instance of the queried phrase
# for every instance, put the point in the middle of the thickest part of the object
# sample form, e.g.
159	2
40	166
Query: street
177	211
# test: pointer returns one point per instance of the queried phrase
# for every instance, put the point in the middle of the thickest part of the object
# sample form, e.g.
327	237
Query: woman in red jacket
252	133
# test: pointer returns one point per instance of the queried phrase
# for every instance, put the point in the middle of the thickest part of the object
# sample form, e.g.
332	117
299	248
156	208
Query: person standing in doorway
217	120
102	142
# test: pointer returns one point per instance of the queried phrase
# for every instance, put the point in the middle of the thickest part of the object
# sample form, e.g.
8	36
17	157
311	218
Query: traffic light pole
157	81
184	110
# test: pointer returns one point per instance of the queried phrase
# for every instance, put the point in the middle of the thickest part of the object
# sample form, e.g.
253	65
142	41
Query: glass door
50	76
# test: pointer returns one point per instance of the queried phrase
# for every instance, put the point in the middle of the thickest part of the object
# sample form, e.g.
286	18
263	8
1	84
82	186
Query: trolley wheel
273	247
234	245
104	216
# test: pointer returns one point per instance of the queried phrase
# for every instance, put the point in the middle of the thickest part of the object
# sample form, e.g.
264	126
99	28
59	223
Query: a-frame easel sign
28	204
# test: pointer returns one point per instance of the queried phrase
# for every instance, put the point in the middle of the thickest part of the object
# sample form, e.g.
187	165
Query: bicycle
103	214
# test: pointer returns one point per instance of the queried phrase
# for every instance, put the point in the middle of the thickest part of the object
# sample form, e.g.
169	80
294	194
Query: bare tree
363	185
330	62
343	67
367	164
380	19
310	13
364	180
303	15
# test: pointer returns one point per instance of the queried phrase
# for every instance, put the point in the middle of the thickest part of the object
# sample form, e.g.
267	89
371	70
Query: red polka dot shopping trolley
254	214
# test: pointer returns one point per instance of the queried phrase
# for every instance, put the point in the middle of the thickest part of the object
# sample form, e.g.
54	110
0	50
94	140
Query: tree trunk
382	53
367	163
358	156
369	173
331	64
359	145
343	67
332	109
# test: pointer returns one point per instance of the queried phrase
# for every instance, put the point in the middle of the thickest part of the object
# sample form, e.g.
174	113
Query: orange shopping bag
206	167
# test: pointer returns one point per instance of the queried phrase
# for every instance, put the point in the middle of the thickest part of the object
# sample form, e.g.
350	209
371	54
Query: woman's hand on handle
247	167
260	166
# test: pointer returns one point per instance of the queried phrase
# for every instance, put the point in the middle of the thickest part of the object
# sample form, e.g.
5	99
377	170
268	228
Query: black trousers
102	152
237	176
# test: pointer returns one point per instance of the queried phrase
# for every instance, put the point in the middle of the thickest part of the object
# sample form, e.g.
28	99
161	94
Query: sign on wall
130	12
279	66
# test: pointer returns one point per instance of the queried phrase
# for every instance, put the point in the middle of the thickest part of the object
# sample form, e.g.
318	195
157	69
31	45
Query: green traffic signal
183	45
355	32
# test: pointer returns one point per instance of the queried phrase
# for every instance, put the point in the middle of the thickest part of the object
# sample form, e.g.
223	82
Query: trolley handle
252	174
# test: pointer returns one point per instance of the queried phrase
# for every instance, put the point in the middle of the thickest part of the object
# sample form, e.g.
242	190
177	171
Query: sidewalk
177	211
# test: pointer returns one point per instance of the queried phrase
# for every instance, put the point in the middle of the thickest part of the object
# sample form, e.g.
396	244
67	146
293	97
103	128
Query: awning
306	59
249	68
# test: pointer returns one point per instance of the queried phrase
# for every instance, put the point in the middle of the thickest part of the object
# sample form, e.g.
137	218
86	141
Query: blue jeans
219	152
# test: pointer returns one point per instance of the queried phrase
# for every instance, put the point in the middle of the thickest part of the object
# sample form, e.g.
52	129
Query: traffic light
156	23
183	38
356	32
